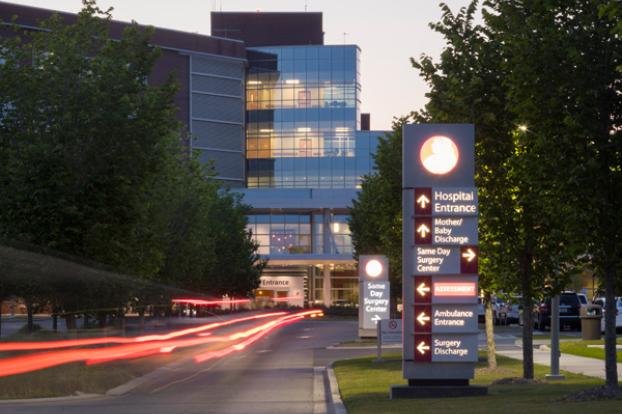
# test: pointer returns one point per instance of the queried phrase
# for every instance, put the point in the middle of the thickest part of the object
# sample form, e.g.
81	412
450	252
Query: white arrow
423	200
422	347
423	318
423	229
375	318
469	255
423	289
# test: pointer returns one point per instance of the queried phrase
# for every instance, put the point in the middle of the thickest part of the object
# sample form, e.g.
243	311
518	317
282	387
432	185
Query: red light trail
143	346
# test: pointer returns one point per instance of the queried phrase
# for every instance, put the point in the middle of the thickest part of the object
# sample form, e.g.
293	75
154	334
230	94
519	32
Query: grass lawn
365	385
581	348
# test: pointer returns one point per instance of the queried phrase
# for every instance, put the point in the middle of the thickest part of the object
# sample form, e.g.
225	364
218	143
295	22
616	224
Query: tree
465	87
92	166
376	213
81	134
565	85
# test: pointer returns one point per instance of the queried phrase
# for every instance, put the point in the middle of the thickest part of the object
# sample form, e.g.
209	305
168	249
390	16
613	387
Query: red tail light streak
143	346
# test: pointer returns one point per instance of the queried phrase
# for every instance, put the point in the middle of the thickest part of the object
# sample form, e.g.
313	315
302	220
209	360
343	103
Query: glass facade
302	118
284	234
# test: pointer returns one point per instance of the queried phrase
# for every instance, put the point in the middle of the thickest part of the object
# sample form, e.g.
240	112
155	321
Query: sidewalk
579	365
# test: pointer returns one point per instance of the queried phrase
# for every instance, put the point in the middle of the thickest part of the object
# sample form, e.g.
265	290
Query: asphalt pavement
282	373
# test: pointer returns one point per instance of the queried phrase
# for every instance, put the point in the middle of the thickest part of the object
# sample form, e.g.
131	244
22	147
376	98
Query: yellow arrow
423	200
423	318
469	255
423	229
422	347
423	289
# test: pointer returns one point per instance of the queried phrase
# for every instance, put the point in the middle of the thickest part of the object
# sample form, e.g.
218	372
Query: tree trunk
55	320
30	311
527	328
70	321
490	333
611	367
101	319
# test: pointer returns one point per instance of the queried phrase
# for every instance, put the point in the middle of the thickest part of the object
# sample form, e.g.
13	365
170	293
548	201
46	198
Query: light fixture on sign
373	268
439	155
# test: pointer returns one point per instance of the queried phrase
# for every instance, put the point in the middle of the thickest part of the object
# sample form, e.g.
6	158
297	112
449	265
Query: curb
335	397
77	397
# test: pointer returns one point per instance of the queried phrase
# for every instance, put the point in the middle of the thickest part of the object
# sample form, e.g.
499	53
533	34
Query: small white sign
391	331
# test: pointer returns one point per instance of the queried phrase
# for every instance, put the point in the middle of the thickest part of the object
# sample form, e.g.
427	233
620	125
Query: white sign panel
376	303
391	331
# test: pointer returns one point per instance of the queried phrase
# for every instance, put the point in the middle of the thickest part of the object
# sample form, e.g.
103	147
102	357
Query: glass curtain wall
283	234
302	116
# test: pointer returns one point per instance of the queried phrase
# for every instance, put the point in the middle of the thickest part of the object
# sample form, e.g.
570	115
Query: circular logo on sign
373	268
439	154
392	324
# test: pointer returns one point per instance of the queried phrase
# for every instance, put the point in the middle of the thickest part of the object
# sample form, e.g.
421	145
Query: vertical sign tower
374	294
440	261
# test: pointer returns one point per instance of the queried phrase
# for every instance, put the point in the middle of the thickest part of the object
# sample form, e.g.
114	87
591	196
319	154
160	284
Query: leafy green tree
81	134
376	213
564	84
91	165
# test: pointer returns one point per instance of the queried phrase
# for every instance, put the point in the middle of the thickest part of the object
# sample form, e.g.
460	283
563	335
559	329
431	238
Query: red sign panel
453	289
423	289
423	201
423	318
423	348
469	258
423	230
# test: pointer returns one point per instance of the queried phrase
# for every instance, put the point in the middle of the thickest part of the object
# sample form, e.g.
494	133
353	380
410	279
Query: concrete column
326	232
326	291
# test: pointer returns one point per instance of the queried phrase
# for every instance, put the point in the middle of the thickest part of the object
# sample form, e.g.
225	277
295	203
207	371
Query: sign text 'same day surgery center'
440	260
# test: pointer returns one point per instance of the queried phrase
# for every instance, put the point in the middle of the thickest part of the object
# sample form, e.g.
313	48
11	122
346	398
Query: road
282	373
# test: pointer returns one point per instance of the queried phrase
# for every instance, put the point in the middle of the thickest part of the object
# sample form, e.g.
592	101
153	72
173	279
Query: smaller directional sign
454	230
423	289
423	348
375	303
469	259
423	230
454	201
430	260
423	201
454	318
453	348
423	318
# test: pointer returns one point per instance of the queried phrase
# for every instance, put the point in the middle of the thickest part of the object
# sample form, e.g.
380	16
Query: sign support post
440	262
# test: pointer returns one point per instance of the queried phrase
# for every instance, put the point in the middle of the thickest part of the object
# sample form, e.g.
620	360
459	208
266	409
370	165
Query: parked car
582	299
499	311
601	301
569	312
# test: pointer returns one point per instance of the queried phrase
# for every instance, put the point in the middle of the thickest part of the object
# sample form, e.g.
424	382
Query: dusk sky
389	32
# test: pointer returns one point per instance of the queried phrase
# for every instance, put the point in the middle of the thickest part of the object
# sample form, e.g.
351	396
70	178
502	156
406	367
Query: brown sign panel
423	230
423	348
469	259
423	318
423	289
423	201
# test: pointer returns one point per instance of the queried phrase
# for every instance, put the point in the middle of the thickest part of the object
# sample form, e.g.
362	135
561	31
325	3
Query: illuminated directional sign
441	258
445	348
375	303
374	293
469	259
446	230
451	201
